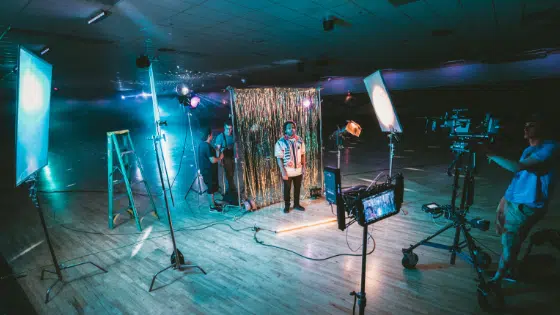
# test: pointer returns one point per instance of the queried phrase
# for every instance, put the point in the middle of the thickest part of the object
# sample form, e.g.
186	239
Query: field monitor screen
379	207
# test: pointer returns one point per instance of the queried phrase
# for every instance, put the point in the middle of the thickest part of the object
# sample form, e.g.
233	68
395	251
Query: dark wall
510	102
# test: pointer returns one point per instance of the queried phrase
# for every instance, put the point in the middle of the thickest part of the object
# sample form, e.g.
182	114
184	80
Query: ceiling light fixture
99	16
45	50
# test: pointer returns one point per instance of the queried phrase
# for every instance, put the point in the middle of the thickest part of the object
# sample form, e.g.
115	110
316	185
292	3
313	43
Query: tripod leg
49	291
155	276
193	266
472	251
422	242
455	247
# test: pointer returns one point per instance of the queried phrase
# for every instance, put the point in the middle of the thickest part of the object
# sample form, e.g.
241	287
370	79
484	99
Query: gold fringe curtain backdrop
259	116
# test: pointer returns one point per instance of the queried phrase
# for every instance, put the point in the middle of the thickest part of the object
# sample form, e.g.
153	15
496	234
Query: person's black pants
229	170
288	187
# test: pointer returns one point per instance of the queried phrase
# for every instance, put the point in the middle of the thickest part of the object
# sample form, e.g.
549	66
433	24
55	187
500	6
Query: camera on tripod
465	135
462	129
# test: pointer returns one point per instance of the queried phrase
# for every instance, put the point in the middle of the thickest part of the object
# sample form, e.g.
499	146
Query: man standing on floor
527	197
225	144
209	166
290	155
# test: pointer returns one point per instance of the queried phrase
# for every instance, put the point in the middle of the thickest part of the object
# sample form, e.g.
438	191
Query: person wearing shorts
527	197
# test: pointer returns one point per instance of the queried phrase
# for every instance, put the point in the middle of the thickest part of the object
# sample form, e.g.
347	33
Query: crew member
290	155
527	197
208	159
224	143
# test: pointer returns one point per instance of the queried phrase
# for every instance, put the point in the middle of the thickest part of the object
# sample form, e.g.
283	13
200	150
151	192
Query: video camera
363	204
463	128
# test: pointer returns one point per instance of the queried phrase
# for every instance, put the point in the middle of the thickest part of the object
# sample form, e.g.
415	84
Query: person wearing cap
290	155
528	195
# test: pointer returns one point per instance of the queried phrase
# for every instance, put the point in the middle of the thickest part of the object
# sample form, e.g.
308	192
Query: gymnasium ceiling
269	42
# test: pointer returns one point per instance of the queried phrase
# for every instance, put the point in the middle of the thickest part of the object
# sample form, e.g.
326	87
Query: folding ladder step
119	145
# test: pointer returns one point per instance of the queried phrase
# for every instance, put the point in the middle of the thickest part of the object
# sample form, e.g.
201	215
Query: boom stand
197	178
361	296
176	262
58	267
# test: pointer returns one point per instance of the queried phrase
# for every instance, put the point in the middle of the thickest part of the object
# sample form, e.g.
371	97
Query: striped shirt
291	152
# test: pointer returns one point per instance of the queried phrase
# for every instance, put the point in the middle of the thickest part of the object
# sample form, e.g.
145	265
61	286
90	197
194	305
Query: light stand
177	261
361	296
392	136
337	134
32	181
339	145
351	128
158	131
235	147
198	177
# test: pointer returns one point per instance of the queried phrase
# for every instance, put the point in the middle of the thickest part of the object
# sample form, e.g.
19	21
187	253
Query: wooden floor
244	277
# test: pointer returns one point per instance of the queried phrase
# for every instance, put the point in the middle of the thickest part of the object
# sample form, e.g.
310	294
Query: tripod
198	177
489	296
361	296
177	260
58	267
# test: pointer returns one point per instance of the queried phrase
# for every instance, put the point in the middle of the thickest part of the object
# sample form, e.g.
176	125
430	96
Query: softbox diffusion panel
33	109
381	101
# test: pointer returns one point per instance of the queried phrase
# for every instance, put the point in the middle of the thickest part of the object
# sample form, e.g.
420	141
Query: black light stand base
177	258
32	181
63	267
180	268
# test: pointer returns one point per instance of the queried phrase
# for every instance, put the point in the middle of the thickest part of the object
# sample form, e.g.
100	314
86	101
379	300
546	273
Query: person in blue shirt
527	197
224	143
208	160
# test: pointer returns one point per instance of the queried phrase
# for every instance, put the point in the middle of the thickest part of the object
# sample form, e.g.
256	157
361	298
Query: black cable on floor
257	229
191	228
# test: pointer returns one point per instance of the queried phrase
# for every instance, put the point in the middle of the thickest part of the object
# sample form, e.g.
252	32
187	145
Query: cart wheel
484	260
490	297
410	260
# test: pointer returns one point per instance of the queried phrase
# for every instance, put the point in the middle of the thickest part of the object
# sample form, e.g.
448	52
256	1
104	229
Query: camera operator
527	197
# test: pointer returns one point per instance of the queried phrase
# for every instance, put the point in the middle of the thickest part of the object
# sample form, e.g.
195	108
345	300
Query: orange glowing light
304	226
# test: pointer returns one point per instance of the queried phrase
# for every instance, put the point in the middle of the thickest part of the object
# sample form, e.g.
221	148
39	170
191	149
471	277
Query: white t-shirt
291	151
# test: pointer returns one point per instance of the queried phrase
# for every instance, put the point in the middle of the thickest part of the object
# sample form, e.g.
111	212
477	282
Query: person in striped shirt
290	155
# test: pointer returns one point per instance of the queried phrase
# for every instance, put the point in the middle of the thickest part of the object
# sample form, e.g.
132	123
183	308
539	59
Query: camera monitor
381	101
33	108
379	207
